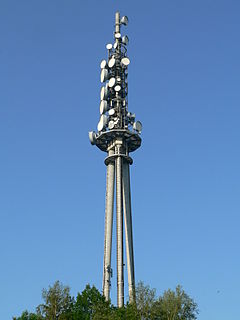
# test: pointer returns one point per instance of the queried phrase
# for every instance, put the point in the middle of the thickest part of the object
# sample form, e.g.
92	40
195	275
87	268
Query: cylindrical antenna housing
117	22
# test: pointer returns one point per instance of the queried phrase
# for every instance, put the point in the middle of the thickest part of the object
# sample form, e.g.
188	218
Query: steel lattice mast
118	135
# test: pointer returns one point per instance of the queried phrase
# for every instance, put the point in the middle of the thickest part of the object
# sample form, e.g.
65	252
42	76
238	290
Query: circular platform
130	138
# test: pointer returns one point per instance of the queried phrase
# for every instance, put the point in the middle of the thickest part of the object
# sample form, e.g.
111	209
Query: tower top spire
117	22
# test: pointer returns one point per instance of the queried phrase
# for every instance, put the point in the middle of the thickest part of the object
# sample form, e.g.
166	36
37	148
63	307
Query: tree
127	312
57	303
28	316
174	305
145	299
91	304
132	312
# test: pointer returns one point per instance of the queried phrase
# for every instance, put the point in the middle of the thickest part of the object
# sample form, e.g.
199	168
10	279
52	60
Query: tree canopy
90	304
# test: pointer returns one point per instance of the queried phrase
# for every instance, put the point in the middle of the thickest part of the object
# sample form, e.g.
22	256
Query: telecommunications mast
118	134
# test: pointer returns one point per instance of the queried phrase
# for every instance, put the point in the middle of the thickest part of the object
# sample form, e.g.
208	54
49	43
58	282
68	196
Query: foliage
91	305
175	305
28	316
145	299
57	303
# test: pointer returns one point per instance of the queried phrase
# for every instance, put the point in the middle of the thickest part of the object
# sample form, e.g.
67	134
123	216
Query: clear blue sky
184	81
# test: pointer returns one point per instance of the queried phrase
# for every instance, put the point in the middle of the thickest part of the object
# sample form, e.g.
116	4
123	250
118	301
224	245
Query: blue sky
184	82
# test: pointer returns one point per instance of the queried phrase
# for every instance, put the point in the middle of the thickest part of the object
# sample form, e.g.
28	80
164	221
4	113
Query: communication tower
118	134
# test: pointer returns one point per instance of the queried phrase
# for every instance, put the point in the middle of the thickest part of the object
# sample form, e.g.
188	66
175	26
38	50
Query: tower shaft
119	212
128	230
118	162
107	271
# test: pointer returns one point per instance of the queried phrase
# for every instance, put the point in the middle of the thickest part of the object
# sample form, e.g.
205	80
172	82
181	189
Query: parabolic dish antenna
103	64
92	137
117	88
111	124
102	123
103	106
111	112
137	126
100	126
111	82
124	20
109	46
111	62
117	35
125	40
104	75
103	93
125	62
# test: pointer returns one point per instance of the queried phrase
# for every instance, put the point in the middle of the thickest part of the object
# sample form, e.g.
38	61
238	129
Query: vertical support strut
107	271
119	210
128	230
